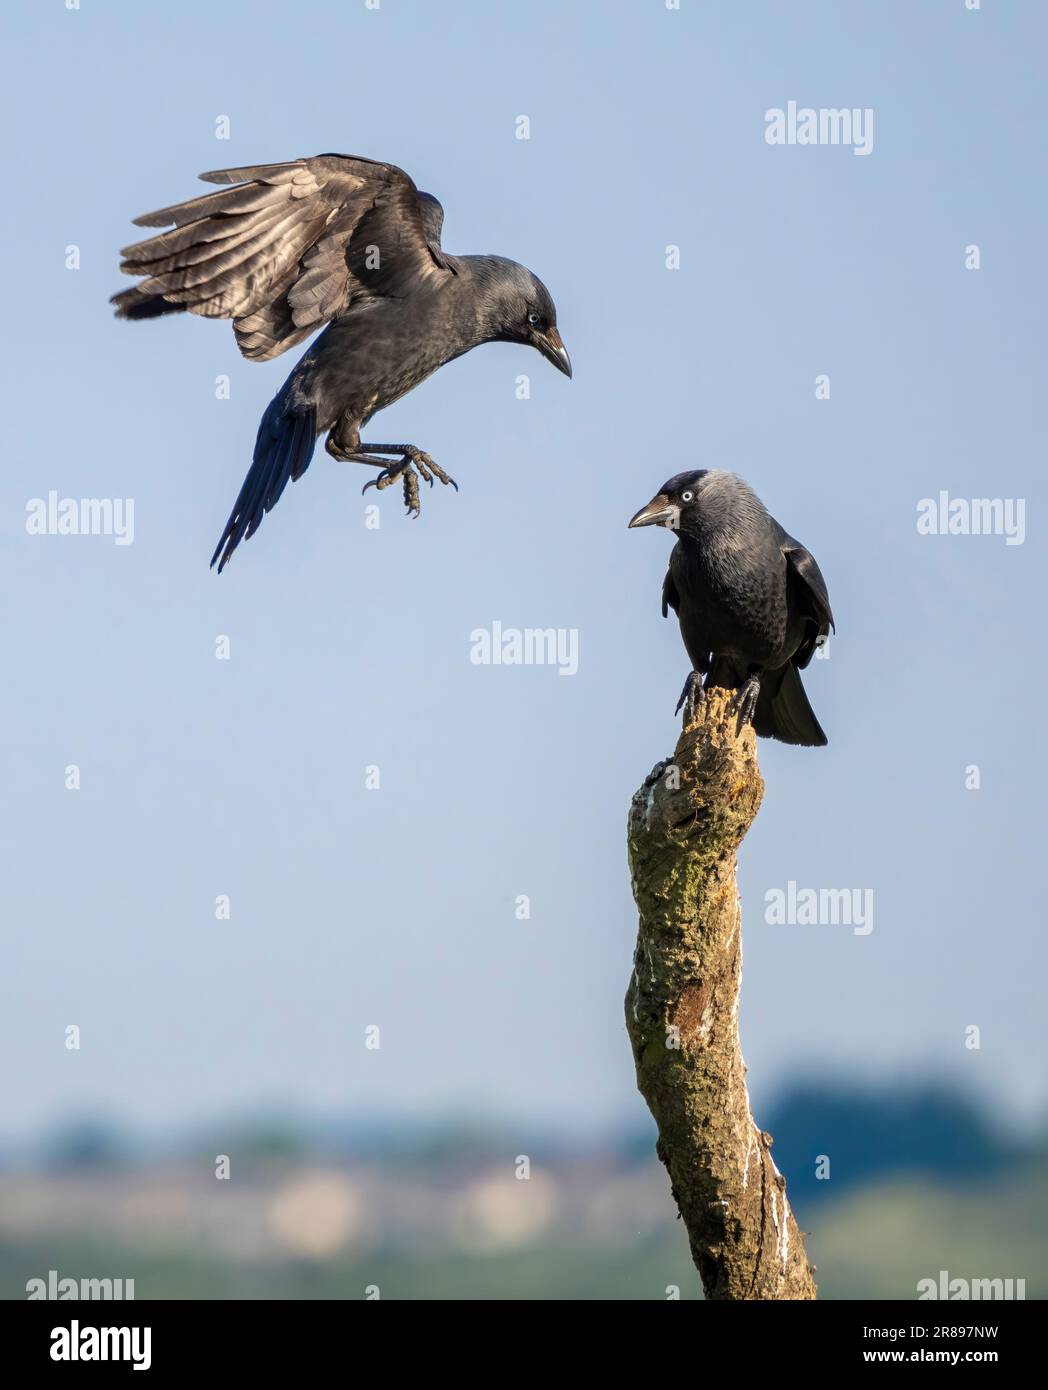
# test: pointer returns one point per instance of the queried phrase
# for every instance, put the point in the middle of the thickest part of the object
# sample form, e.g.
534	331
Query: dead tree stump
682	1010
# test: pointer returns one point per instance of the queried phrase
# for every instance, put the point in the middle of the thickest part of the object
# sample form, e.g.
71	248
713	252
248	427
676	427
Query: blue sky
350	647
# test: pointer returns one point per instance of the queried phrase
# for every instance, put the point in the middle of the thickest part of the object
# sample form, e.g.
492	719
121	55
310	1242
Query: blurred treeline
916	1179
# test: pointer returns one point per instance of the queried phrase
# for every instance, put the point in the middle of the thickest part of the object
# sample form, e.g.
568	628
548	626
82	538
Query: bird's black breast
732	598
378	351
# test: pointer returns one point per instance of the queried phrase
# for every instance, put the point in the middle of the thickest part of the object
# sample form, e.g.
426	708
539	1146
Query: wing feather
285	249
670	596
807	579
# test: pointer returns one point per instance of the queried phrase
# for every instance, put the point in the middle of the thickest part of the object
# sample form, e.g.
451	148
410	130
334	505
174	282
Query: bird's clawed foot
746	701
409	480
691	697
412	465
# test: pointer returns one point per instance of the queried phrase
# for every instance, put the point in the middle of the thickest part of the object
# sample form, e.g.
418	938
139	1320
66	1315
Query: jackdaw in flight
347	242
751	601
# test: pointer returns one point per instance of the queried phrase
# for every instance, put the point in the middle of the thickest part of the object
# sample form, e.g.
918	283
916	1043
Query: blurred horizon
446	1210
826	1090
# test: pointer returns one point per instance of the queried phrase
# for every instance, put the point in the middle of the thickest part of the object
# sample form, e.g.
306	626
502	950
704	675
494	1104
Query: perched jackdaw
751	600
347	242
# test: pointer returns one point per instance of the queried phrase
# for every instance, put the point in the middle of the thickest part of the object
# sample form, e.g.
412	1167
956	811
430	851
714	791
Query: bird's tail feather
283	450
783	711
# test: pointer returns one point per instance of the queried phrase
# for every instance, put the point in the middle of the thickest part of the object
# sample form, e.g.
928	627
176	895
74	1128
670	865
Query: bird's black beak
551	345
660	511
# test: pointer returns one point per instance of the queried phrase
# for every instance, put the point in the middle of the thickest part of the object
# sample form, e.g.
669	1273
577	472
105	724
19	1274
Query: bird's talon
745	702
691	697
411	498
411	466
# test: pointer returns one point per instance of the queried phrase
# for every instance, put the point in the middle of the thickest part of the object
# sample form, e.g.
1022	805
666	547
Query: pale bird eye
686	496
534	318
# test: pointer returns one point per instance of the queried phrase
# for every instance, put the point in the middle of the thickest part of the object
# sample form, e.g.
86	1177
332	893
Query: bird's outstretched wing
806	576
287	249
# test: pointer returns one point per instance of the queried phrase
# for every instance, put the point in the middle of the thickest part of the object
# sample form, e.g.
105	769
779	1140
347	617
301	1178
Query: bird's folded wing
807	578
670	596
802	562
287	249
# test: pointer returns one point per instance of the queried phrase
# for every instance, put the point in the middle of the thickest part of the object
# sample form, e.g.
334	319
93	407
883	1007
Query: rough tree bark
682	1011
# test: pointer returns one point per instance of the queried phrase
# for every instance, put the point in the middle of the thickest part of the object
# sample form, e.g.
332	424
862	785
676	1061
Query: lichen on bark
682	1008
